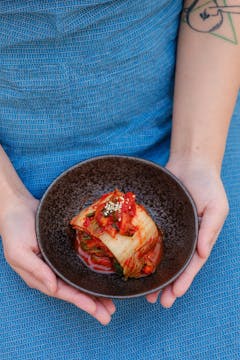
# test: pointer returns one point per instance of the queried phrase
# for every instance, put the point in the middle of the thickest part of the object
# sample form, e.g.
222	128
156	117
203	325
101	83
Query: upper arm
220	19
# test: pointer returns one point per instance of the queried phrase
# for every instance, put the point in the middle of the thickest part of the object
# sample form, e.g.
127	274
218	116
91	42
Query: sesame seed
111	207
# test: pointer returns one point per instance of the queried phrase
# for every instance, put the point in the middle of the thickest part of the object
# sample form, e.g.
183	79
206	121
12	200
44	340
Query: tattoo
209	17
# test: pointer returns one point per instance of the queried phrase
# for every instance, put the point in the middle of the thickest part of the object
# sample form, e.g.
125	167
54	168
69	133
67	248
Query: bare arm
206	87
11	187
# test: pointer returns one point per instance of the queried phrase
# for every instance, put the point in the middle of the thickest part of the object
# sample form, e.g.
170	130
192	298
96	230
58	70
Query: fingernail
106	322
152	300
168	306
113	309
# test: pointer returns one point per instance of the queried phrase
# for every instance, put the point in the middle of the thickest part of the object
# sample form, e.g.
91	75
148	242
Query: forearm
11	186
206	87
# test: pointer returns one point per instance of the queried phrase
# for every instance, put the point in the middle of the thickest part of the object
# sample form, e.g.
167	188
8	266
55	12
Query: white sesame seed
111	207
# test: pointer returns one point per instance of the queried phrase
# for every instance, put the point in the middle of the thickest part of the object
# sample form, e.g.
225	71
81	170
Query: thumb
37	269
211	224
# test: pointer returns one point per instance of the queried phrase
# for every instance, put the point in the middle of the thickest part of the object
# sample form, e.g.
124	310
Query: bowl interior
163	196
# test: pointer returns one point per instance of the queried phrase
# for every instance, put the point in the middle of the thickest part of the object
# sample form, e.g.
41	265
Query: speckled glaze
165	198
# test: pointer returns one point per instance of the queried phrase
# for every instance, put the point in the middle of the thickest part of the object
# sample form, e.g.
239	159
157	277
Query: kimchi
117	235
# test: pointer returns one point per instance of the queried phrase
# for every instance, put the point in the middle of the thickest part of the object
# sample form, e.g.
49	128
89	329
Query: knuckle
10	258
52	292
33	272
31	282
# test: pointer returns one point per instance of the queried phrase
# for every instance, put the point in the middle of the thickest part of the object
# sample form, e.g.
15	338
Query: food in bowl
117	235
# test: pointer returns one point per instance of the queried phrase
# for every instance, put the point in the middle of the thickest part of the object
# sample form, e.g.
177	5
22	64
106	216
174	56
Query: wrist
195	159
12	191
190	166
13	198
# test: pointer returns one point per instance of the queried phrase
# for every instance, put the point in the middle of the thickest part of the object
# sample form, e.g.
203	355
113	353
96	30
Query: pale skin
206	86
17	228
208	68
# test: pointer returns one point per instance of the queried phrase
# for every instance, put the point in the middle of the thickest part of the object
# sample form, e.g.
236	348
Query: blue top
80	78
83	79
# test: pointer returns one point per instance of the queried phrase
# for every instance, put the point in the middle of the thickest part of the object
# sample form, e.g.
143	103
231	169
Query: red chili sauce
114	216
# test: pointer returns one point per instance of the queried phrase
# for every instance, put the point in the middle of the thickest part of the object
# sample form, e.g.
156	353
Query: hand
17	228
206	188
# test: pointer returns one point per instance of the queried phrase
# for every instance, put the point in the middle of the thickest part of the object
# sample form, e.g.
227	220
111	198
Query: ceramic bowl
161	193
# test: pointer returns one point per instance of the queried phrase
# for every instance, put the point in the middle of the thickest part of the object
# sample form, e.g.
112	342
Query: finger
70	294
35	272
32	282
108	304
152	298
37	269
87	303
211	225
167	297
101	313
66	293
182	284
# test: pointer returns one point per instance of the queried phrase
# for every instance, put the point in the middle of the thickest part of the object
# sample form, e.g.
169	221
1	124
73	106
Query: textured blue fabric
84	79
91	77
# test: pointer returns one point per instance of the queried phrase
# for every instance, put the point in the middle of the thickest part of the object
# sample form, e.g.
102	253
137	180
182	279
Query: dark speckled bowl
165	198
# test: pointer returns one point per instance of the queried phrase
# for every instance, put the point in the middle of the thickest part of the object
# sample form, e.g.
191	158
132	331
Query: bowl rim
133	158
